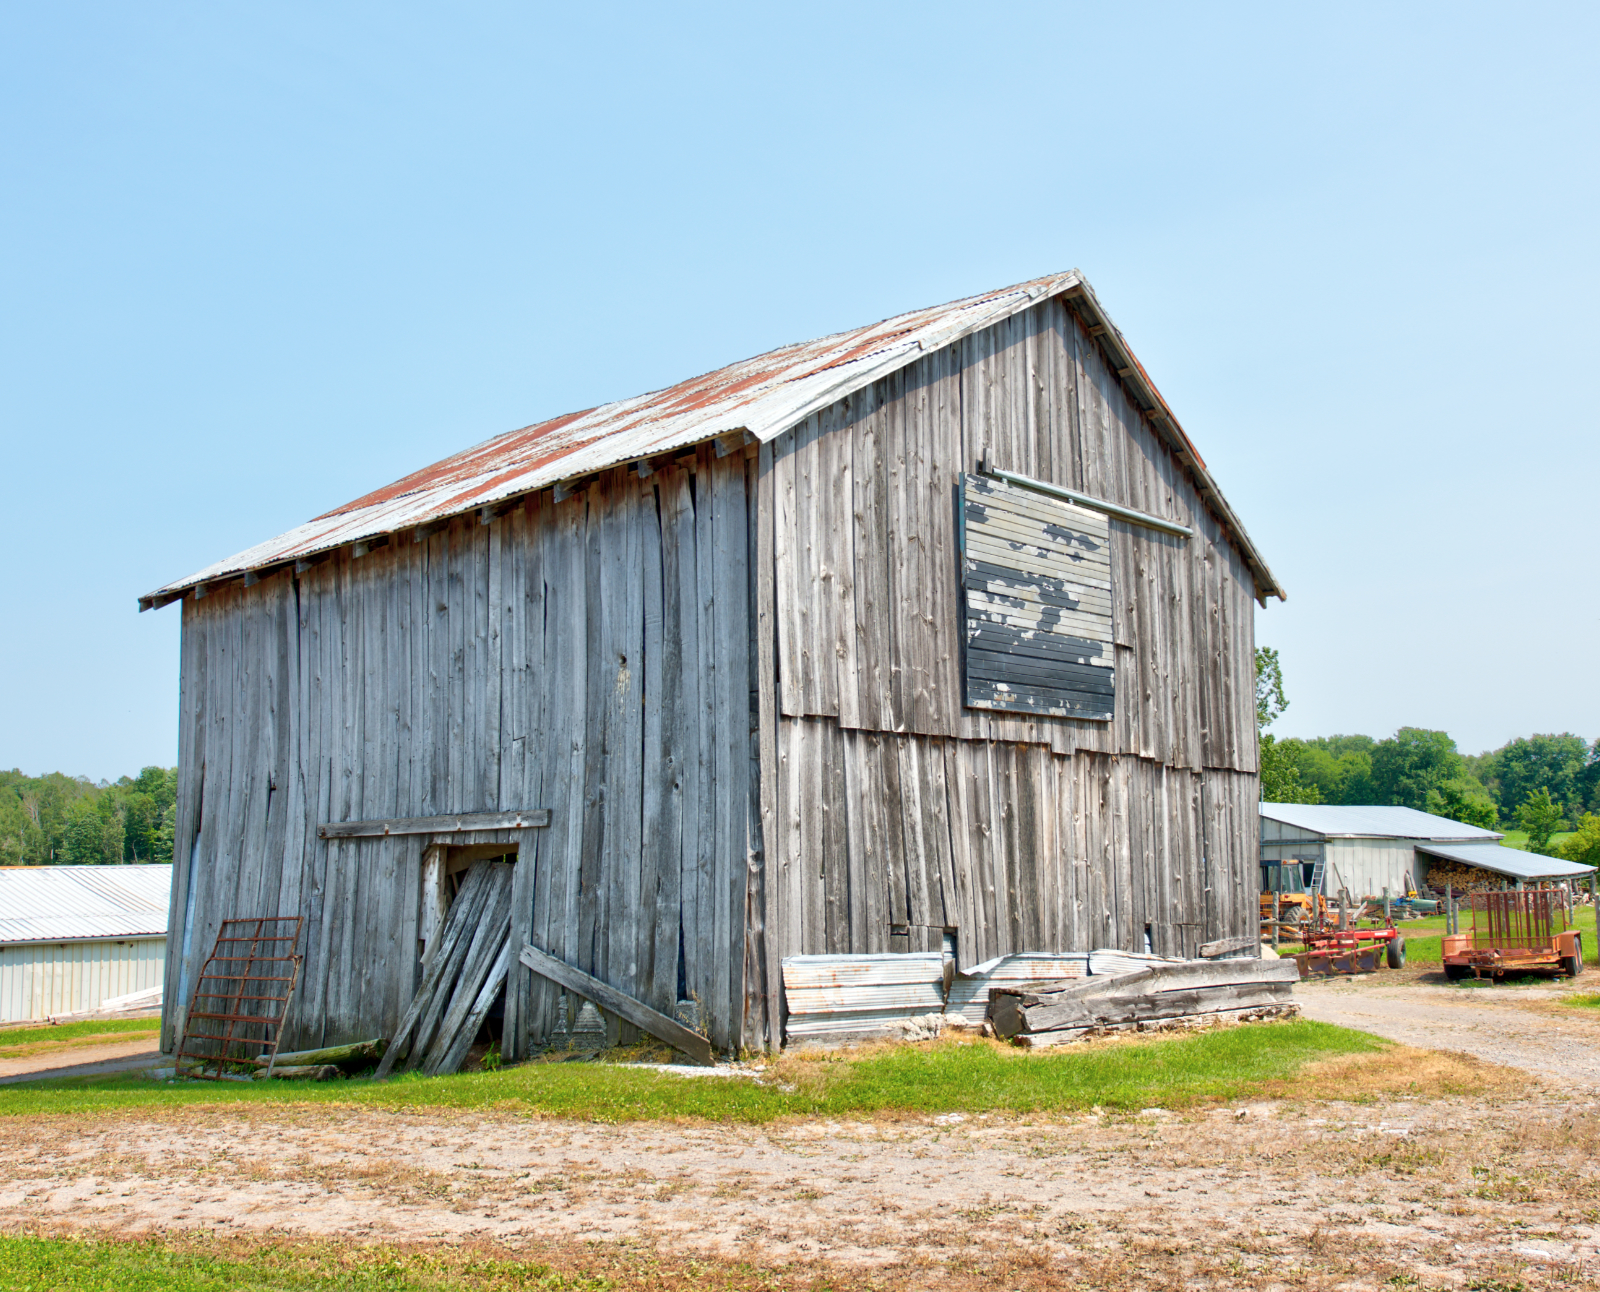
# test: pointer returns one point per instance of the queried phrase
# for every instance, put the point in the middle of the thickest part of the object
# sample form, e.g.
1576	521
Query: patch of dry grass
1401	1070
48	1040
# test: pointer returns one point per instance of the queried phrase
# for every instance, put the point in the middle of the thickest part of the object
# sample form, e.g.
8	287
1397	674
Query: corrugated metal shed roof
1339	821
75	903
1506	861
762	397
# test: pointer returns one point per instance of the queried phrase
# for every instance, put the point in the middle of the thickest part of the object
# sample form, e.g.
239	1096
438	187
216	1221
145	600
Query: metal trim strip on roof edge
339	528
99	937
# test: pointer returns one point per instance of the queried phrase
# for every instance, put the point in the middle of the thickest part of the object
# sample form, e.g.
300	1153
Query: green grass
1519	838
30	1263
952	1076
71	1031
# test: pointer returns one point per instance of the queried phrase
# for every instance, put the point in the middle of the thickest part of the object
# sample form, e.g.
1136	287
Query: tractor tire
1396	954
1455	973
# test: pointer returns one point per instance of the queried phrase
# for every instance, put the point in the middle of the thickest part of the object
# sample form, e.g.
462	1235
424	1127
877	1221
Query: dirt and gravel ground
1446	1172
81	1061
1521	1025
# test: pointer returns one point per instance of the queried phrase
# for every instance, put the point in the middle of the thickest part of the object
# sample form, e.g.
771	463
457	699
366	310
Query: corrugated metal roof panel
1338	821
763	396
73	903
1513	862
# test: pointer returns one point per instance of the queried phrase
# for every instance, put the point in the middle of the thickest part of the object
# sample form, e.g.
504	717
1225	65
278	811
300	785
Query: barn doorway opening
444	868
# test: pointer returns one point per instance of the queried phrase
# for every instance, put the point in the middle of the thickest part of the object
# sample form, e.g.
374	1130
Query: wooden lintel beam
732	442
369	544
607	997
564	489
522	819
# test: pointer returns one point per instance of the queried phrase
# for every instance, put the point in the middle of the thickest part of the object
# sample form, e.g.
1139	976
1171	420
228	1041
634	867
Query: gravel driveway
1520	1026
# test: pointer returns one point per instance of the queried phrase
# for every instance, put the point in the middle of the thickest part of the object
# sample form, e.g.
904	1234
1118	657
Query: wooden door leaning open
463	970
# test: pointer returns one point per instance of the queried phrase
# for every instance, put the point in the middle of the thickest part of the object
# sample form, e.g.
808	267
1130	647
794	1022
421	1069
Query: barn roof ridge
760	396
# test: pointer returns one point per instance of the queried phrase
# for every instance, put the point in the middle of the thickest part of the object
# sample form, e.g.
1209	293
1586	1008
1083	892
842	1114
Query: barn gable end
898	812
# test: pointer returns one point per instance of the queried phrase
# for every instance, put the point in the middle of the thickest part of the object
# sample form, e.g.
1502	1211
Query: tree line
1542	784
57	819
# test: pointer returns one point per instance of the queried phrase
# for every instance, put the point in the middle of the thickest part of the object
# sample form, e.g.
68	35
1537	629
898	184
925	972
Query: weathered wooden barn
933	633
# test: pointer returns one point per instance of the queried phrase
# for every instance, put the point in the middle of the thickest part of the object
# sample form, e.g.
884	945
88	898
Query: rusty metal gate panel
242	995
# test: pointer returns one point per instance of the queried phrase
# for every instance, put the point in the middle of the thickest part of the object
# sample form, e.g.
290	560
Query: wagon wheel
1397	953
1572	965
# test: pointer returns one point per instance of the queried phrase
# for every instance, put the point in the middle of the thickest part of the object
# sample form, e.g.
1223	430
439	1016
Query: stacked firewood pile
1183	993
1456	877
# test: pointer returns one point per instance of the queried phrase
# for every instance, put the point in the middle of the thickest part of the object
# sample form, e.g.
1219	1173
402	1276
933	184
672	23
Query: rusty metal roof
759	397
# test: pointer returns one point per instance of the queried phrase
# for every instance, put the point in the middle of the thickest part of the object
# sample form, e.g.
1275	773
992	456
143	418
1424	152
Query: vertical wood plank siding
737	683
1023	833
593	657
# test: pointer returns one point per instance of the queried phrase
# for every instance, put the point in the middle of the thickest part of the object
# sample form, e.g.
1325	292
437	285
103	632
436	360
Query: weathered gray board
1167	991
607	997
1037	578
739	688
455	823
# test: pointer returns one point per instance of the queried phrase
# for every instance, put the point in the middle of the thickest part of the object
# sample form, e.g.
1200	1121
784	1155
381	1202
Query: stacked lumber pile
1181	993
463	972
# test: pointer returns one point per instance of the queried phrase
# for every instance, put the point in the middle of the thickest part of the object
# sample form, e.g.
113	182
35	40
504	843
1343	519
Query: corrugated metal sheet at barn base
74	936
849	997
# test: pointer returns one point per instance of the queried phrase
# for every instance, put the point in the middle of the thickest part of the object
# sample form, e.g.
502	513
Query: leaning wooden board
607	997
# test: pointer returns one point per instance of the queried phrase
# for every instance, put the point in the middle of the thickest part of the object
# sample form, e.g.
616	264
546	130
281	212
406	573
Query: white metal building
73	936
1364	849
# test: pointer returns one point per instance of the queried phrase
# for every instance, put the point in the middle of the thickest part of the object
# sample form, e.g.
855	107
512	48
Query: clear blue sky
258	259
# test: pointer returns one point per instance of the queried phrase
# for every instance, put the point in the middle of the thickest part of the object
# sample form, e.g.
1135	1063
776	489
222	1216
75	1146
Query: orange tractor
1514	933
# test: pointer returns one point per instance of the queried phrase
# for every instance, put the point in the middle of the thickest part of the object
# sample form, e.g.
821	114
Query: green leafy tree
1411	764
1555	763
1280	774
1270	699
1584	846
1465	802
1280	778
1589	778
56	819
1541	817
1339	768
